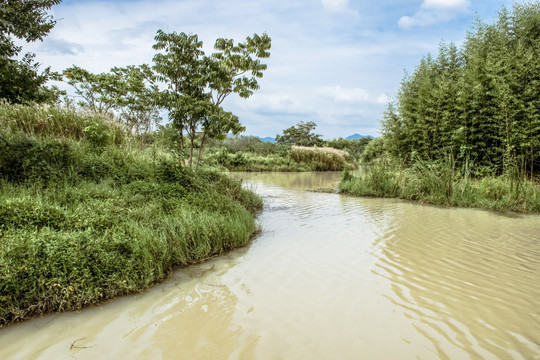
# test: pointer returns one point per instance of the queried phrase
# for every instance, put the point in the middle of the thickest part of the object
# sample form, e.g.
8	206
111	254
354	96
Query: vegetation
465	128
87	212
248	153
438	183
197	84
300	134
479	104
20	80
129	93
355	147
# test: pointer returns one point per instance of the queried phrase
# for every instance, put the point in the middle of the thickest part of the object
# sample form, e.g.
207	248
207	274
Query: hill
357	136
267	139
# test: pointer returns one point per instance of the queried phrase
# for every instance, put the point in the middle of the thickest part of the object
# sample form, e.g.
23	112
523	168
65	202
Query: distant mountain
357	136
267	139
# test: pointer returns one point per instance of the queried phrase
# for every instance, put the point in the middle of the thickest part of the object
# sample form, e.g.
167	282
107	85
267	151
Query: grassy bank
439	183
88	213
252	154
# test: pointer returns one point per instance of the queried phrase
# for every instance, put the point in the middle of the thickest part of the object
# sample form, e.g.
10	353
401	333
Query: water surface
330	277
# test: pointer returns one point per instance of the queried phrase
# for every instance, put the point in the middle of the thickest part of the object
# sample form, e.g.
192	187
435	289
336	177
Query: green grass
284	158
440	184
83	220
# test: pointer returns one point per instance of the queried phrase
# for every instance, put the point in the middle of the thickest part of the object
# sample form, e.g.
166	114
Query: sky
334	62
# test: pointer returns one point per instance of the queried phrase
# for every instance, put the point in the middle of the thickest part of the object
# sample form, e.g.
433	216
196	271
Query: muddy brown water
330	277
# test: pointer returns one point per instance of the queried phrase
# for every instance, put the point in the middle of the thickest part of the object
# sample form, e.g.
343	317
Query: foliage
478	104
198	84
373	150
355	147
27	20
20	80
46	120
98	92
130	93
248	153
252	144
441	183
136	102
301	135
83	221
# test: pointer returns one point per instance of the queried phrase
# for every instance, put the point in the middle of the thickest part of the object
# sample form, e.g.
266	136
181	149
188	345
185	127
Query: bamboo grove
477	105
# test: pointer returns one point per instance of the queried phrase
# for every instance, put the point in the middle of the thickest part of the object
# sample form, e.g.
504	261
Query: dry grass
324	149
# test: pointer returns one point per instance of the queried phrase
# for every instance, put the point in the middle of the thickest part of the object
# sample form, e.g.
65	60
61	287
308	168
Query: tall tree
28	20
480	104
198	84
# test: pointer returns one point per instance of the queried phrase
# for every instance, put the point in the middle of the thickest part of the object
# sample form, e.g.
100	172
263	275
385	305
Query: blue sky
334	62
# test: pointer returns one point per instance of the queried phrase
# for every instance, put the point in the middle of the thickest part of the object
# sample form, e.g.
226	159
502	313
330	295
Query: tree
28	20
130	93
300	135
97	93
136	97
198	84
479	104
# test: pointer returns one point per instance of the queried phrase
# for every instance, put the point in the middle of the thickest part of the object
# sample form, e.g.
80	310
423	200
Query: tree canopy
28	20
126	92
300	134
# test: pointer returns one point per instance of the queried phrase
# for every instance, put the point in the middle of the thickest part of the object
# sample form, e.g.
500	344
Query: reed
440	183
321	159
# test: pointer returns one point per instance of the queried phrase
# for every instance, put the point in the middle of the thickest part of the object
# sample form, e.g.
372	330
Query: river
330	277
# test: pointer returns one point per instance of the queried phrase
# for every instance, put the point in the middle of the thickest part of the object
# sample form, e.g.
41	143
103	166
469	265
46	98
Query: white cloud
432	12
446	4
339	6
335	5
348	95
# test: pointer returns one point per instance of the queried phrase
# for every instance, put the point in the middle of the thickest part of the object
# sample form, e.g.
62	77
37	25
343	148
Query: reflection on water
330	277
294	180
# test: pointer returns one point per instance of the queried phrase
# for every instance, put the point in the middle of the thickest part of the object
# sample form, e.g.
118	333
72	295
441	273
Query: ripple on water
463	274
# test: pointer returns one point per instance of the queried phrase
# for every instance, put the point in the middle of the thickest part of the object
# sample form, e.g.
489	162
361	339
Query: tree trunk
200	152
183	160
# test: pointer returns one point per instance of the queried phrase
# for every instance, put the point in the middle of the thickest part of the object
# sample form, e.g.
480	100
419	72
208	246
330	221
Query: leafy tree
129	93
136	98
28	20
97	93
198	84
301	135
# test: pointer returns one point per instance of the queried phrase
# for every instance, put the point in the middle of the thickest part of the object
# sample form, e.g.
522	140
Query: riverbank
88	213
428	184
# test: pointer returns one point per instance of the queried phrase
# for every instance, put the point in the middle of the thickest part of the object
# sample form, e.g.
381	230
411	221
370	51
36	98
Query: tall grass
46	120
321	159
440	183
83	220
